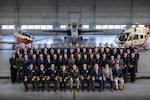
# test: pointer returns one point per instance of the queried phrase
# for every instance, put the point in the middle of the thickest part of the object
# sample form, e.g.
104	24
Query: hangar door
75	17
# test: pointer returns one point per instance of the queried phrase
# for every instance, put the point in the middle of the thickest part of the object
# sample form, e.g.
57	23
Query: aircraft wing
9	42
88	31
35	40
59	31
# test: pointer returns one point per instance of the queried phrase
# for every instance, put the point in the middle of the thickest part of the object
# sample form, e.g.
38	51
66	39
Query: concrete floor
139	90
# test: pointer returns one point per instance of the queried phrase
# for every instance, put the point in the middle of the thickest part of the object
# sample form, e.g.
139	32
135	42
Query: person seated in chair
41	77
96	74
118	77
107	77
52	76
30	76
74	76
63	77
85	77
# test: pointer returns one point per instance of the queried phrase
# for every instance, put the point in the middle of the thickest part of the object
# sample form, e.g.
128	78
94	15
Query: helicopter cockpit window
141	36
123	36
130	38
135	37
26	35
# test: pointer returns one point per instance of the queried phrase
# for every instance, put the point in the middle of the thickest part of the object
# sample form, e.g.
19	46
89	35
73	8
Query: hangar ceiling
90	12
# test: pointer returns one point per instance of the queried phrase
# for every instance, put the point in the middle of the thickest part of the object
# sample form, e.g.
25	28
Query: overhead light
63	26
85	26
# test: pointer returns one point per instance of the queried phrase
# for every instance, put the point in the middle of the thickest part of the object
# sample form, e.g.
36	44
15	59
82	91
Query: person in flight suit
96	74
74	76
85	76
125	68
132	65
19	67
118	77
30	76
41	77
52	76
107	76
63	77
13	68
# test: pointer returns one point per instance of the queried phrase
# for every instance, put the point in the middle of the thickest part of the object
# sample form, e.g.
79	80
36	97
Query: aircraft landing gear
13	46
65	38
74	41
145	48
81	38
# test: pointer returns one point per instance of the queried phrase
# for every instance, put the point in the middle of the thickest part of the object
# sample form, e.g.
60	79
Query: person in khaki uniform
74	76
107	76
118	77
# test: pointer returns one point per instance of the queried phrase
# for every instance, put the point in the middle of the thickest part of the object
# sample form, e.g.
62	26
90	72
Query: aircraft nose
116	41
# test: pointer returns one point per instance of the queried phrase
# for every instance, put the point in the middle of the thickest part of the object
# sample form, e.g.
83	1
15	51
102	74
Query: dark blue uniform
30	75
63	77
41	74
52	77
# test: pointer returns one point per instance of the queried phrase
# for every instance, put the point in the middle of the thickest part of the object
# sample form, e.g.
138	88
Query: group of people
74	65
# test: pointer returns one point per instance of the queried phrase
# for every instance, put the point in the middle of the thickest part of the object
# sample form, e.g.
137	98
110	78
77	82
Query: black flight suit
13	68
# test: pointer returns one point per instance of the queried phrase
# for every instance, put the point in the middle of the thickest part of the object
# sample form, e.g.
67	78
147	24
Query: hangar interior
32	16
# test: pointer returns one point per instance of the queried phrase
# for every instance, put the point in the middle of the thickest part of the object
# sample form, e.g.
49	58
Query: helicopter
136	35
